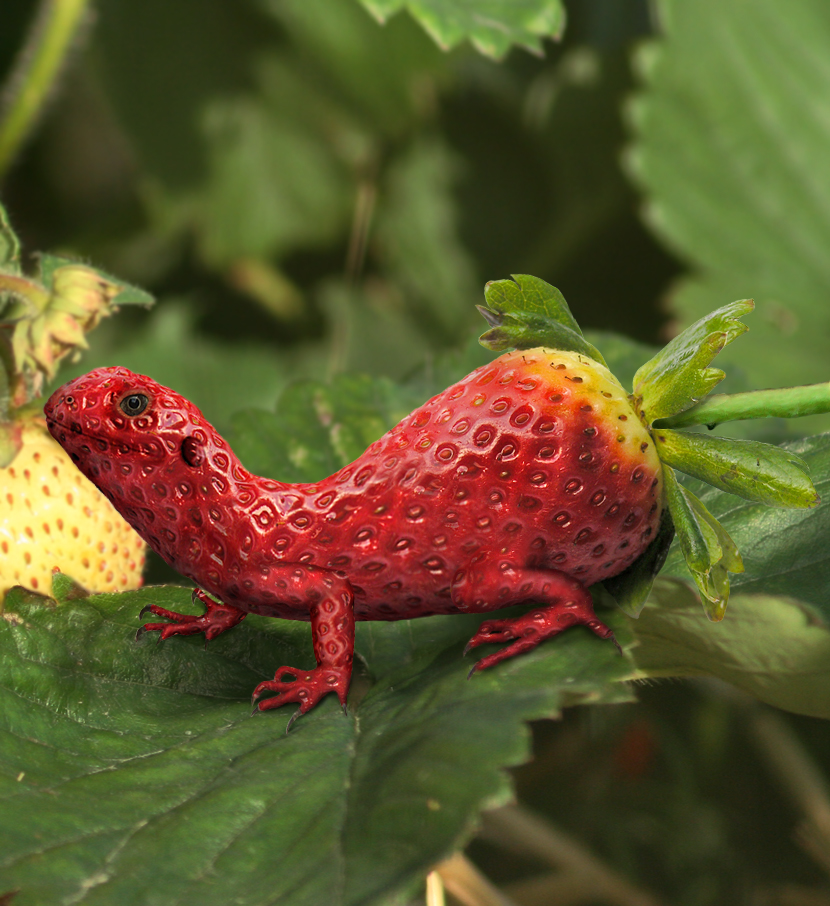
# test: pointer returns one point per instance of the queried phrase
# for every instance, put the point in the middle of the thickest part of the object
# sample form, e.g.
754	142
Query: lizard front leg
563	602
331	609
216	619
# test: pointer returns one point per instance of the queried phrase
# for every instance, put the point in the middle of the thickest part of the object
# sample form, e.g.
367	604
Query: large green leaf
417	238
272	186
135	772
493	26
381	75
731	146
776	648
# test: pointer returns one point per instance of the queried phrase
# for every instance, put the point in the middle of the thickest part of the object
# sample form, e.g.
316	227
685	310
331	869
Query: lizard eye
134	404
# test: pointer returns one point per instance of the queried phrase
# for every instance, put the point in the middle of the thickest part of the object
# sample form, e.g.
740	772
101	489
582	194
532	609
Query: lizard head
112	422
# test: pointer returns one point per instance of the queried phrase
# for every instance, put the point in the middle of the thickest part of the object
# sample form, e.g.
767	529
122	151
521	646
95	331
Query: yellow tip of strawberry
54	518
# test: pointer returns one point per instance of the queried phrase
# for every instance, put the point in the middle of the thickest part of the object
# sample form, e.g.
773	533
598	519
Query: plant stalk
24	288
36	71
785	402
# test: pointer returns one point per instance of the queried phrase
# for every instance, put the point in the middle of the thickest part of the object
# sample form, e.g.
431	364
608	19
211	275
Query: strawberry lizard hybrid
526	482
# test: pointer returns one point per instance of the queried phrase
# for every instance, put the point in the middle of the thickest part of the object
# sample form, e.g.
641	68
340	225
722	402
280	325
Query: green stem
786	402
24	288
38	66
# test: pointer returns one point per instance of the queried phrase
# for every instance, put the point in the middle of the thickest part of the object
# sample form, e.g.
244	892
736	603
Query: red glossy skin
506	487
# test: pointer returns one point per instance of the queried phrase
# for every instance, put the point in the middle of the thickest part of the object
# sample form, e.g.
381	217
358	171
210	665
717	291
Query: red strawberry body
529	480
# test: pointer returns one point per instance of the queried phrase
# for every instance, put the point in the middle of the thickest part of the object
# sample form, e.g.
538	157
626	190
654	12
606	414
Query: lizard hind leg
562	602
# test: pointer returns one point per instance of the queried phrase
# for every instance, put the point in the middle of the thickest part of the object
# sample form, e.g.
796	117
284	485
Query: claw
294	716
345	709
472	670
139	632
148	608
467	649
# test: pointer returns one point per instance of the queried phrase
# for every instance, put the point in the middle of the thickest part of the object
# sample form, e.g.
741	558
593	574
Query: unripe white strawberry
51	517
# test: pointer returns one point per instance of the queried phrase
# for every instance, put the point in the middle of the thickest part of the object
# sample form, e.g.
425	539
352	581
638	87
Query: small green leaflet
526	312
752	470
679	375
709	551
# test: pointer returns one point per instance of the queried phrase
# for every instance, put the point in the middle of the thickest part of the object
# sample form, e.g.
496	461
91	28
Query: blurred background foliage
307	192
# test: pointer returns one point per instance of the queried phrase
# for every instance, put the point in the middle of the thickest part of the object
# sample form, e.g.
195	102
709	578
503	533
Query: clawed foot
528	631
215	620
306	687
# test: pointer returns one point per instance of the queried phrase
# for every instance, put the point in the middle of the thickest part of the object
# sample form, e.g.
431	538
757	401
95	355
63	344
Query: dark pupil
135	404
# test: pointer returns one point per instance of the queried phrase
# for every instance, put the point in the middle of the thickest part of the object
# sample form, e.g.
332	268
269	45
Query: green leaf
417	238
492	26
9	245
115	754
525	312
342	65
776	648
733	156
159	98
272	186
679	375
318	428
755	471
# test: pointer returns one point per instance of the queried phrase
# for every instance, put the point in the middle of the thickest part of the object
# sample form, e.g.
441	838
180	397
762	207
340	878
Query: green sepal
65	588
124	293
755	471
709	552
526	312
679	376
9	245
630	589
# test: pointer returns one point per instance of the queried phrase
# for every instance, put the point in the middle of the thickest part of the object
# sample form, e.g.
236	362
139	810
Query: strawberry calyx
525	312
44	318
671	391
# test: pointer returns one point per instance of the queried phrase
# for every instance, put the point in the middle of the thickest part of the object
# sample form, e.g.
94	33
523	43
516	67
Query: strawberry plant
52	520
